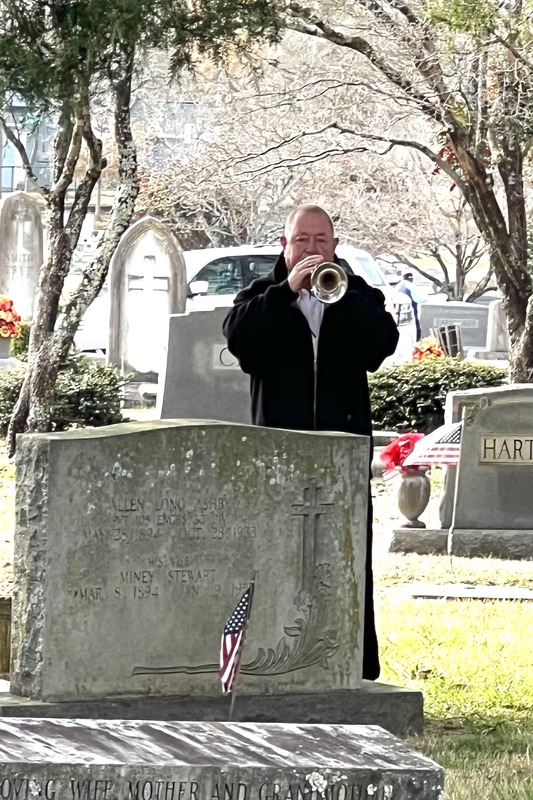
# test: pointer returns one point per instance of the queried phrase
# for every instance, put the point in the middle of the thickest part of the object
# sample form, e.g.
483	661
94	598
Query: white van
215	275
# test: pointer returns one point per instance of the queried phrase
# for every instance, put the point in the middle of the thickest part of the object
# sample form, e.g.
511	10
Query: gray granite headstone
496	467
490	490
21	250
117	760
202	378
472	318
147	283
498	339
134	543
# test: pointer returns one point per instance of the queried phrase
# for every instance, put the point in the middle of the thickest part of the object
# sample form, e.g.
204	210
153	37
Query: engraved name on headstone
506	449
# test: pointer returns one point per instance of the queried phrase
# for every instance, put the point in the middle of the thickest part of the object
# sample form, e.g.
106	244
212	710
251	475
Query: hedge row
411	397
87	393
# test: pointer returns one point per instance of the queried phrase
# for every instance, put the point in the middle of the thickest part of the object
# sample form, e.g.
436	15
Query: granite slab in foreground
119	760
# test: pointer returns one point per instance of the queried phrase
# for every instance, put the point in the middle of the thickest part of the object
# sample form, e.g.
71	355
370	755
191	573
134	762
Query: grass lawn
472	659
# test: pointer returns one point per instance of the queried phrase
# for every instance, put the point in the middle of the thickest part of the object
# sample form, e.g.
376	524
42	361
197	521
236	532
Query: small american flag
233	640
443	447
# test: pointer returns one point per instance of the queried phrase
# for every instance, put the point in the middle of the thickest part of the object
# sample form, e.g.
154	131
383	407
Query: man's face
310	234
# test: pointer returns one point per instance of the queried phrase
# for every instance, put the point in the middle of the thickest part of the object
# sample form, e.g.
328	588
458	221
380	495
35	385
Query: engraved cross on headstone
310	509
148	282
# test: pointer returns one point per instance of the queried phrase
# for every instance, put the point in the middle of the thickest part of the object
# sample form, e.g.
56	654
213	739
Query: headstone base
508	544
399	711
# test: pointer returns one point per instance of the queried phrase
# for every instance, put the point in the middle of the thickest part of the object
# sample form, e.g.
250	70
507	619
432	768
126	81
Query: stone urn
413	495
7	361
5	344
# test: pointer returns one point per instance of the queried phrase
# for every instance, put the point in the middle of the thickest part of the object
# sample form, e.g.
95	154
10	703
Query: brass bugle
329	282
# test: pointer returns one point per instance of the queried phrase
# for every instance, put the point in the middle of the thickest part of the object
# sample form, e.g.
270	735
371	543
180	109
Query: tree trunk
50	340
508	253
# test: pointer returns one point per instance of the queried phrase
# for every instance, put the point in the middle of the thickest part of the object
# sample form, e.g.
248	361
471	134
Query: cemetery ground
472	659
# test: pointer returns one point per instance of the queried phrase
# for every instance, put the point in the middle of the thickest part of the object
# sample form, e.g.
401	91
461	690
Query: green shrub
87	393
411	397
19	346
10	383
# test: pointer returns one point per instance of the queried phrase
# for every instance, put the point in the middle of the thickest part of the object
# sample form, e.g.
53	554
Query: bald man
308	361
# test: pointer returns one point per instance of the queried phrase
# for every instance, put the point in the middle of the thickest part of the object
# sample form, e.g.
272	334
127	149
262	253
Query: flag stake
451	530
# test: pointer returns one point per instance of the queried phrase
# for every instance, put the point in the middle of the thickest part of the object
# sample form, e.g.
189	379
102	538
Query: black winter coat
273	342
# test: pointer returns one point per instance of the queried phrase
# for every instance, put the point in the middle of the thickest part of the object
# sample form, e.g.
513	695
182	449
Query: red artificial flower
428	347
395	453
9	319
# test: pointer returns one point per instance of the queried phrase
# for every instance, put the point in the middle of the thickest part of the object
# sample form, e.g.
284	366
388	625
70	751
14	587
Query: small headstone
471	317
461	591
498	341
496	467
486	506
134	543
202	379
148	282
21	247
117	760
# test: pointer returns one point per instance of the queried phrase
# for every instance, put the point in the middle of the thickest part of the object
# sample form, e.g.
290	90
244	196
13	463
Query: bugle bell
329	282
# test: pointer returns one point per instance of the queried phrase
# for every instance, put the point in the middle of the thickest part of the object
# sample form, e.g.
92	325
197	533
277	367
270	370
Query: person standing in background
308	361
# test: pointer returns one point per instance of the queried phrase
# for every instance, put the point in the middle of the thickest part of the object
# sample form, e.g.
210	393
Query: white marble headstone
148	283
21	250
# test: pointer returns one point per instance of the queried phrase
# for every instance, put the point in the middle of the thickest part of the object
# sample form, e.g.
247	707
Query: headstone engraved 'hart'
134	543
496	468
486	507
118	760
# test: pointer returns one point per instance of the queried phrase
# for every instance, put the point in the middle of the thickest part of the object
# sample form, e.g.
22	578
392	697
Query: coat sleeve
366	322
256	326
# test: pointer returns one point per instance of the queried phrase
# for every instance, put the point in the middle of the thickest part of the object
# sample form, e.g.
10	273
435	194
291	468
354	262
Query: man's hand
300	274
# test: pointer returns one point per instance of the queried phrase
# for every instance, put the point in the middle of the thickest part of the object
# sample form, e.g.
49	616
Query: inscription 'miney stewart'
506	449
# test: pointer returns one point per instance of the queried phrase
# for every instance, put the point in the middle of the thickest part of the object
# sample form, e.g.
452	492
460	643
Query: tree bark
50	339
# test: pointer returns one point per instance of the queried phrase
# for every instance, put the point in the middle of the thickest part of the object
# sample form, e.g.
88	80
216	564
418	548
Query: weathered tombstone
21	245
487	498
201	378
472	318
497	338
148	282
117	760
134	543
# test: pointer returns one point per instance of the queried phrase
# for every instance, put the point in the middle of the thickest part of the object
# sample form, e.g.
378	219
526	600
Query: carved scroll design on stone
308	641
471	411
311	644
